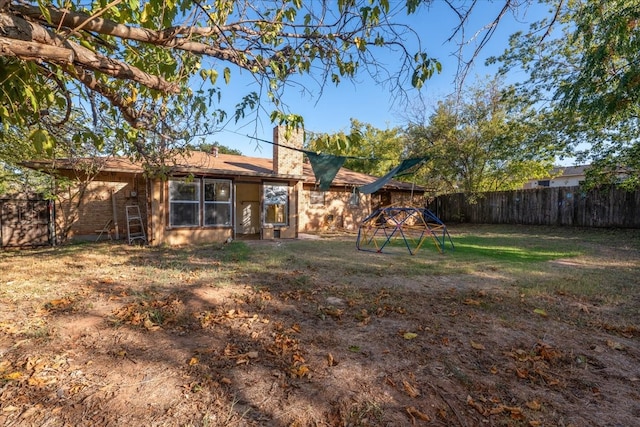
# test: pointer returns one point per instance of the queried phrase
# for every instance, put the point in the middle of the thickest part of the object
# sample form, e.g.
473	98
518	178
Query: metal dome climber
411	225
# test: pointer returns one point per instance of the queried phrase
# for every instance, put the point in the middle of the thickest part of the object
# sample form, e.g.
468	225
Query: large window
200	202
184	203
276	204
217	202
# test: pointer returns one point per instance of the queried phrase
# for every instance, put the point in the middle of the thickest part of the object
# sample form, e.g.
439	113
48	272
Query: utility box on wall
267	232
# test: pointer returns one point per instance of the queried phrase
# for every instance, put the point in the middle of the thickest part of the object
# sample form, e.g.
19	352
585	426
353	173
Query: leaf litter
329	350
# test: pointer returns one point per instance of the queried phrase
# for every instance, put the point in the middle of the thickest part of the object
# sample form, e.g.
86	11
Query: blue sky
363	99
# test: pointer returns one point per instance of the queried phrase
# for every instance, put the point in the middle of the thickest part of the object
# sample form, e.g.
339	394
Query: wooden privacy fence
572	206
25	222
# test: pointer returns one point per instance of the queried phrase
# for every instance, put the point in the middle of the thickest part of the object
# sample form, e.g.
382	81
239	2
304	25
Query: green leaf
147	11
412	6
409	335
44	9
541	312
364	13
227	75
42	141
28	92
385	5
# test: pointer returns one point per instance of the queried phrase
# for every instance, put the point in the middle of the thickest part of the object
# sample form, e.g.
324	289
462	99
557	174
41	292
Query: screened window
184	203
316	197
276	204
354	200
201	202
217	202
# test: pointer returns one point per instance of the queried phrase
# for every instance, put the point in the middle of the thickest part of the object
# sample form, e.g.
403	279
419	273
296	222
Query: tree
223	149
12	179
368	149
584	75
134	65
481	141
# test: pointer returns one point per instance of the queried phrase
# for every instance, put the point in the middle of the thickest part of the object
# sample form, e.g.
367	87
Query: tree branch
174	37
131	115
20	30
31	51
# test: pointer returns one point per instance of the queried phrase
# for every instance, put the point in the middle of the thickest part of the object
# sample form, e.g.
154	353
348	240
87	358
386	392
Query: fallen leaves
209	318
283	344
534	405
615	345
363	317
487	408
231	351
331	361
536	364
13	376
300	371
410	389
627	331
245	341
152	315
477	345
415	414
334	312
60	305
36	371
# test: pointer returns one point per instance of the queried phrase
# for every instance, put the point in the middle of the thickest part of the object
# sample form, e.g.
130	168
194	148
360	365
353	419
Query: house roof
202	163
569	170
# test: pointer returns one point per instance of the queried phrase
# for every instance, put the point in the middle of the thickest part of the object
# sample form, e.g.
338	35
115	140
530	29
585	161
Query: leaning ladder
135	228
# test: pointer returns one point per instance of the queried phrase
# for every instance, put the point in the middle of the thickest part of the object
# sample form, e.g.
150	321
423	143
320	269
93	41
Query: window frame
266	204
172	202
200	201
228	202
315	195
354	198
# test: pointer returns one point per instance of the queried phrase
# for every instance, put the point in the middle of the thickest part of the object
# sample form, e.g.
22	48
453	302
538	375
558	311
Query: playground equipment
408	225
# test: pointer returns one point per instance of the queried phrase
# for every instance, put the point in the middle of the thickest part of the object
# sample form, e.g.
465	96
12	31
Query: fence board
566	206
24	222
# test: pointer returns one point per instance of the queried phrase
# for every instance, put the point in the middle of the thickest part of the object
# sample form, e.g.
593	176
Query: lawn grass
513	249
523	252
538	260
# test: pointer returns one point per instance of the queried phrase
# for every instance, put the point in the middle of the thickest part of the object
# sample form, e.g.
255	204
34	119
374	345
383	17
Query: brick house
212	197
561	176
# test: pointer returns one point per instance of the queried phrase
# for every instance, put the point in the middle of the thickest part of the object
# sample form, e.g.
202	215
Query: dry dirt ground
113	335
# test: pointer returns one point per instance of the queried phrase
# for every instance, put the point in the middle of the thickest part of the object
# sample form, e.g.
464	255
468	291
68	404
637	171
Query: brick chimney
285	160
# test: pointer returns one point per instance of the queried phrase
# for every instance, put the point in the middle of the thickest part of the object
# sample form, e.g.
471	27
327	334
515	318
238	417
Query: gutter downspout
150	217
115	214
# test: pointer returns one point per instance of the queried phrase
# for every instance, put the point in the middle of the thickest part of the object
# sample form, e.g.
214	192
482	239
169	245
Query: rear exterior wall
84	213
334	210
